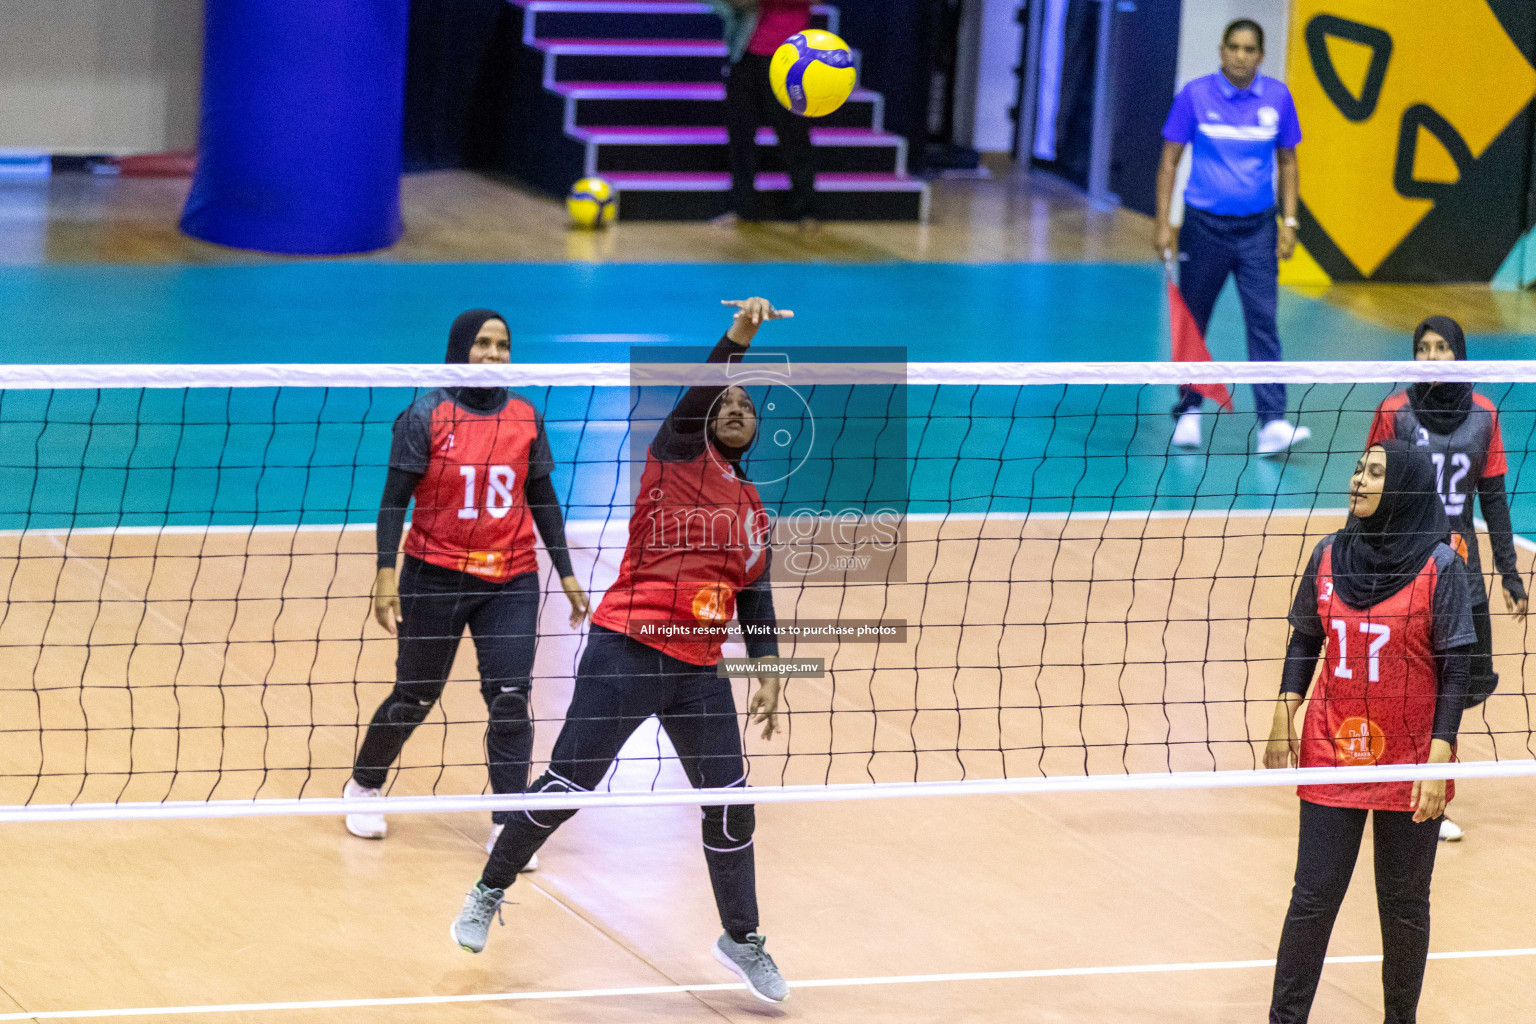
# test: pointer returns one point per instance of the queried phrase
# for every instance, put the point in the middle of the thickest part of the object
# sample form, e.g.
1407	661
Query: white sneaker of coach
1186	432
1278	435
364	826
490	844
1450	832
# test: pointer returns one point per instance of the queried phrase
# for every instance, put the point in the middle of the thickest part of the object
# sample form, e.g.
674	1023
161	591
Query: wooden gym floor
1101	907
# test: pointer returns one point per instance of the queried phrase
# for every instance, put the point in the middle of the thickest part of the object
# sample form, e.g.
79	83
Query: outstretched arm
681	435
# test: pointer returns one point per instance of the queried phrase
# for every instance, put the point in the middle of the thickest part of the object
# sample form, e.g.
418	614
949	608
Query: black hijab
732	453
461	338
1441	408
1375	557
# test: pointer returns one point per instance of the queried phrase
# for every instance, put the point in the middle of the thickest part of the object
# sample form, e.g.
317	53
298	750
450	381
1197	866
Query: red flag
1189	346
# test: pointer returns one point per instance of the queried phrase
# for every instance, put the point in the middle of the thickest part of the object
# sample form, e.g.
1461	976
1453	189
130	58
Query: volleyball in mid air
812	74
592	203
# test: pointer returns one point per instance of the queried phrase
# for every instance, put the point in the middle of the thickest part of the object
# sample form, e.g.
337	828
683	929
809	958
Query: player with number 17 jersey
1375	701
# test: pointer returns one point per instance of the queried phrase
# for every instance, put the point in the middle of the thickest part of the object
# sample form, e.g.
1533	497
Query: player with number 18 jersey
477	464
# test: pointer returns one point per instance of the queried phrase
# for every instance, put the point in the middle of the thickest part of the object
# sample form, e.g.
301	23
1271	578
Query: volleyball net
988	578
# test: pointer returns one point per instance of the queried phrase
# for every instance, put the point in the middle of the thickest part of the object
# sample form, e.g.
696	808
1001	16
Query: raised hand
750	315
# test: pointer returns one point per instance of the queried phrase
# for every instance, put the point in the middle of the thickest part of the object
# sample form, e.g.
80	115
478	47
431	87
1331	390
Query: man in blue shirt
1243	126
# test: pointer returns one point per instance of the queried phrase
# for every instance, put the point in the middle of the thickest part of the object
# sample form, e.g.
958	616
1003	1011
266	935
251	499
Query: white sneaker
490	844
1278	435
1450	832
1186	433
364	826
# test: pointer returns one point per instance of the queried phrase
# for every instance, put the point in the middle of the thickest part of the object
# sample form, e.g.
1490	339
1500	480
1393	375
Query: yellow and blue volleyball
592	203
812	74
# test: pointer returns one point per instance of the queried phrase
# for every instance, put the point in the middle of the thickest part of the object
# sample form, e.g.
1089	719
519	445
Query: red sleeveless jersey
1375	700
471	512
697	537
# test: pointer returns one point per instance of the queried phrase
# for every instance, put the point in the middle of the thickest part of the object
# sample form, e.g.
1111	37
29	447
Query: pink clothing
777	20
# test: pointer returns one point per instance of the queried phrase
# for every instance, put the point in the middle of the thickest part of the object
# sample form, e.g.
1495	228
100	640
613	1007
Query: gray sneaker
473	925
750	962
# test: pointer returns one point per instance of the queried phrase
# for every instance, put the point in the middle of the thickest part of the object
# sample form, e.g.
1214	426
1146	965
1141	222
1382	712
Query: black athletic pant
1325	860
435	606
749	101
1483	679
619	684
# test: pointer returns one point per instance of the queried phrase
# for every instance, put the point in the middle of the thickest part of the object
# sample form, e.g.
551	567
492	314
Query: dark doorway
1145	49
1063	142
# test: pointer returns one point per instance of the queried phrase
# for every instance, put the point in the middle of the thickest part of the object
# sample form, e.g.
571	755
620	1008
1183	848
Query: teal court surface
315	456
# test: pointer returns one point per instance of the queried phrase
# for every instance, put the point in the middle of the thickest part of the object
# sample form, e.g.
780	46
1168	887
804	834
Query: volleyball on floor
592	203
812	74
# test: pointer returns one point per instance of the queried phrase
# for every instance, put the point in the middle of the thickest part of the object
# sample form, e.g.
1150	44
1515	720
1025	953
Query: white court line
93	376
623	522
668	990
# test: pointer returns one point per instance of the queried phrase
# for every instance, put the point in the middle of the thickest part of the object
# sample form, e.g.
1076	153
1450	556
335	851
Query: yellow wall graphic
1396	99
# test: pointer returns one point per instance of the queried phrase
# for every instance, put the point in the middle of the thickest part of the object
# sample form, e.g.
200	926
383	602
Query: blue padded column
299	150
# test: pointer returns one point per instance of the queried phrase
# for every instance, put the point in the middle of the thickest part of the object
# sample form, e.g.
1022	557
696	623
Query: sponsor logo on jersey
710	604
482	563
1327	590
1422	438
1359	741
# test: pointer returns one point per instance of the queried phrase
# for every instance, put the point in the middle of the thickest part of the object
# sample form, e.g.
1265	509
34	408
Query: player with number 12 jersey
1459	430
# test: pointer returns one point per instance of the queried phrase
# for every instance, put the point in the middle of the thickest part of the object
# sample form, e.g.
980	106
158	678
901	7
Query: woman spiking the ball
1388	596
697	556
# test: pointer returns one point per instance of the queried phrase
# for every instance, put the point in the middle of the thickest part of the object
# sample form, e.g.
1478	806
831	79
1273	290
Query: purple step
667	181
632	47
708	91
698	196
692	149
599	16
683	135
631	7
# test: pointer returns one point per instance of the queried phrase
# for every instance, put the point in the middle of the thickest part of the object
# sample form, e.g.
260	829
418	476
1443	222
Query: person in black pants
753	33
478	463
697	556
1388	596
1459	429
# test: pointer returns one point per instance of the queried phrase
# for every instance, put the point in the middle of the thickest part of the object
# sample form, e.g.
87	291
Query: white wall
100	76
997	88
1200	33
